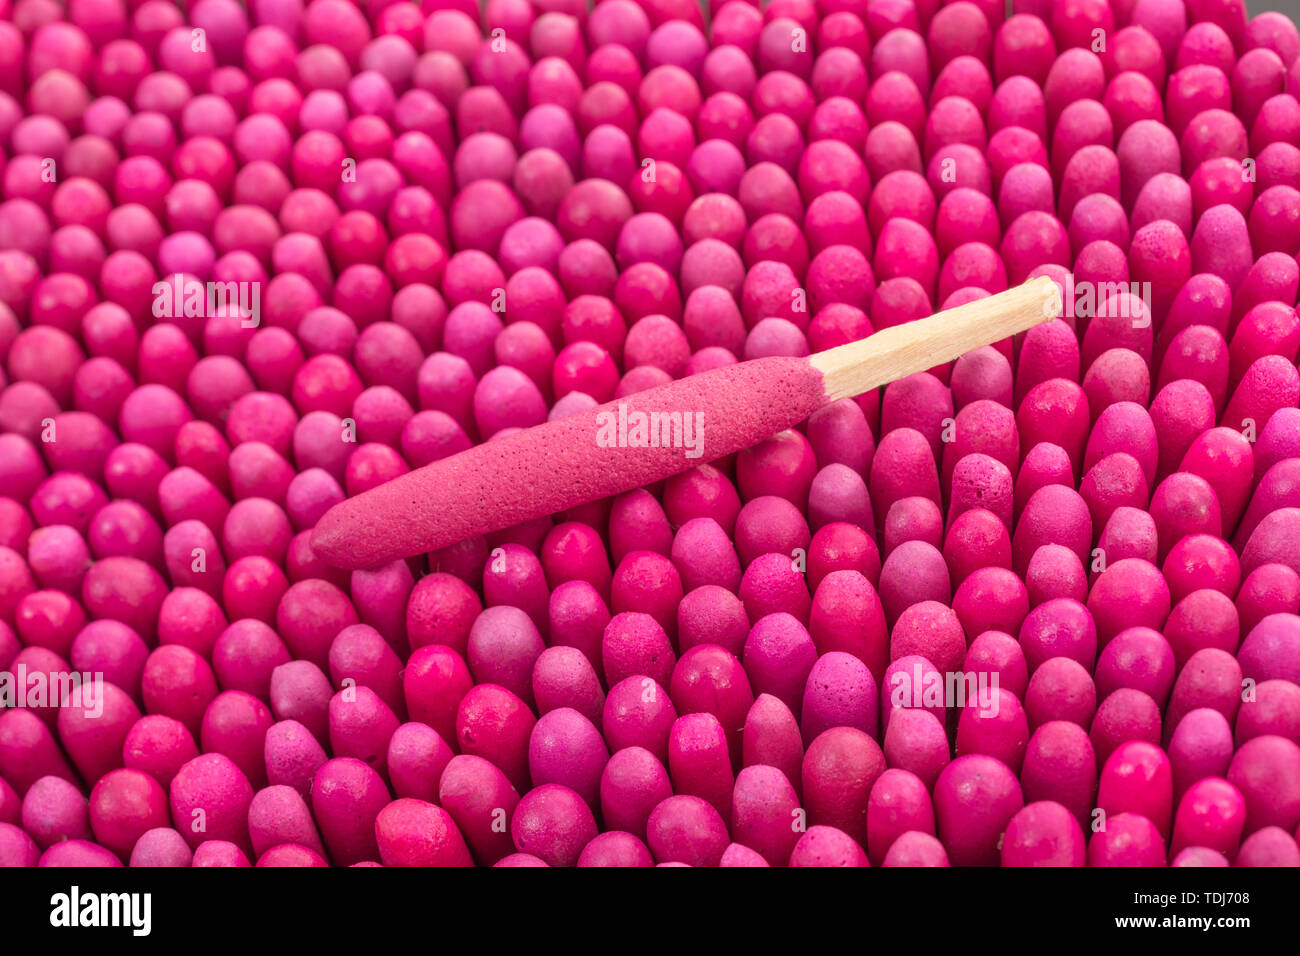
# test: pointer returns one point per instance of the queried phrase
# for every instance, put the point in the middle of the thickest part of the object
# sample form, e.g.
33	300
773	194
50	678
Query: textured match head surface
568	462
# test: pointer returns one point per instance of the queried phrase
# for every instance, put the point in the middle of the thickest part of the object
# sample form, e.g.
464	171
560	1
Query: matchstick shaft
903	350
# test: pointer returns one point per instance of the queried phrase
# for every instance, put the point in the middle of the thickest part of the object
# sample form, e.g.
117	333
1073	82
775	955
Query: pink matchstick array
1037	606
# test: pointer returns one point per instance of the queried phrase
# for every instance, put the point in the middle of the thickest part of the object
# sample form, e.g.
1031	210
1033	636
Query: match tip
330	539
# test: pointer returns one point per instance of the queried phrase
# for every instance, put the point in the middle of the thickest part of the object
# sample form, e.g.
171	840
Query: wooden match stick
652	435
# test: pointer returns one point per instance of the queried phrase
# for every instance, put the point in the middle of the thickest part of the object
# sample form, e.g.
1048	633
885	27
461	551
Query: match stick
600	452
